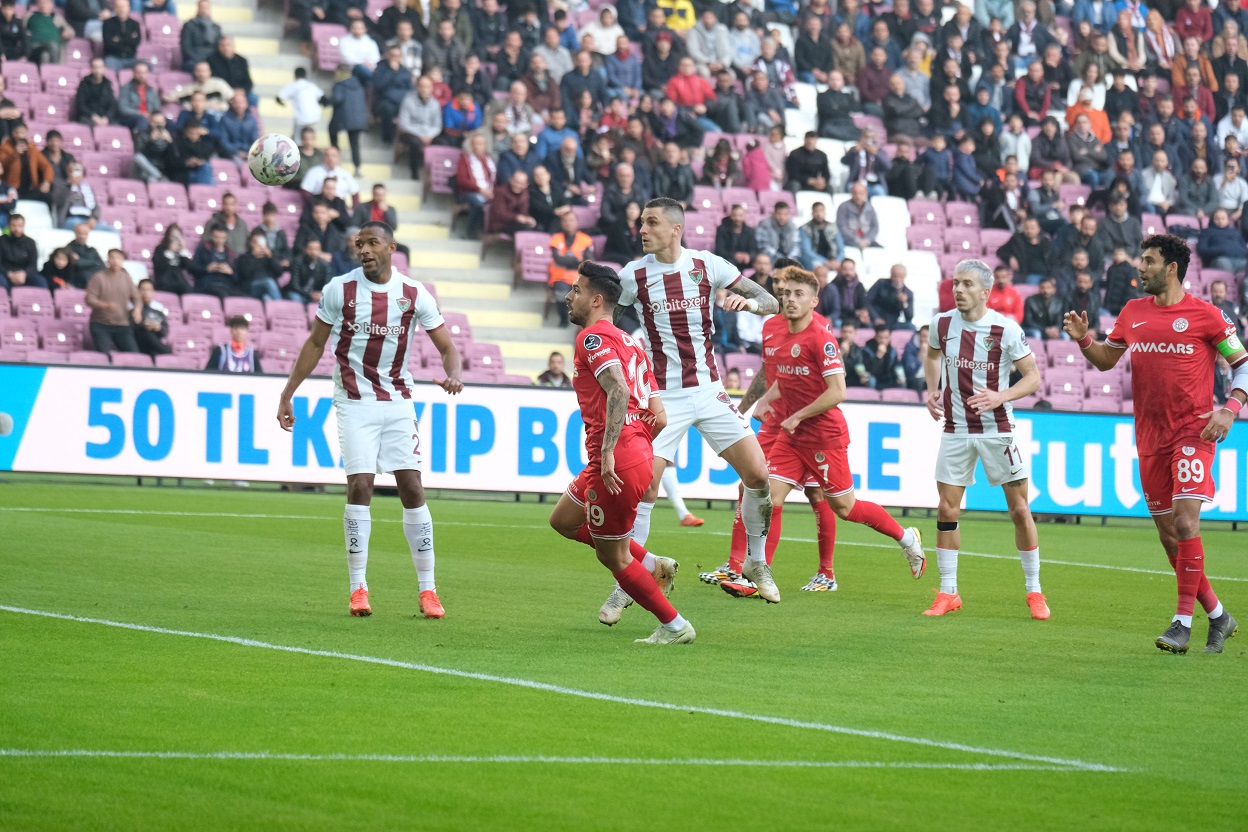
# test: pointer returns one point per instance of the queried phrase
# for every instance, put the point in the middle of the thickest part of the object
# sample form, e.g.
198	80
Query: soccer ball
273	159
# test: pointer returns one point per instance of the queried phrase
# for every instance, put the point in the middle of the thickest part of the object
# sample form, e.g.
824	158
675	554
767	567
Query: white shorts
378	438
1003	461
706	408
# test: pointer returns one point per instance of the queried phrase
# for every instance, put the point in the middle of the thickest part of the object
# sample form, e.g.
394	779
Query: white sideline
509	759
243	516
583	694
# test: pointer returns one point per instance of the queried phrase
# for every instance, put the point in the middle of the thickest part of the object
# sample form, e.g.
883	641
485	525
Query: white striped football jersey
373	328
976	354
675	302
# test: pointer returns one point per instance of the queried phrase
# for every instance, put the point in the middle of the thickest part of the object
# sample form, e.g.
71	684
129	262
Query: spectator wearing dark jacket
232	68
890	303
853	294
1221	246
391	83
1085	299
213	266
1028	253
806	168
138	99
350	112
1122	283
834	108
509	210
95	102
1043	312
622	190
624	237
309	273
1197	195
19	257
902	114
199	37
966	179
735	240
237	130
122	38
13	42
582	78
673	178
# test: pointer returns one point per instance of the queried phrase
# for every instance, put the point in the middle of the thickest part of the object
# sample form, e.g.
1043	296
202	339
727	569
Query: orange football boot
944	603
691	521
359	602
1038	606
430	606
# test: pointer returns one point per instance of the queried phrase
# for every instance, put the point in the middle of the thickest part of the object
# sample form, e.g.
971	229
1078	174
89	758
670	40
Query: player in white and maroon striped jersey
674	290
371	316
971	352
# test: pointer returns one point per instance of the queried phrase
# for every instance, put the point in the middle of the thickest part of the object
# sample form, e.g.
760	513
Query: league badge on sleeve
592	342
829	349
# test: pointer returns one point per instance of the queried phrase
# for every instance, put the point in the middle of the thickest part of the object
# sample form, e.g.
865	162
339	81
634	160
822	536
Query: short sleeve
829	354
628	288
1117	336
723	274
598	352
1015	346
330	308
1221	333
933	334
428	312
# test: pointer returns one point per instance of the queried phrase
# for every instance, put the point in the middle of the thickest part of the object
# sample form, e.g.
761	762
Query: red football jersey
599	346
1173	350
775	332
802	362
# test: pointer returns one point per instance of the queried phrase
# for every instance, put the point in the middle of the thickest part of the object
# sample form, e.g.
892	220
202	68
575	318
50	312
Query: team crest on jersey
403	303
829	349
819	457
989	342
723	397
592	342
795	351
1188	450
591	495
1180	324
696	275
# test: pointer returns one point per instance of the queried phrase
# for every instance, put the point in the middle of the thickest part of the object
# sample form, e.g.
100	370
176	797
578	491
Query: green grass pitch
831	710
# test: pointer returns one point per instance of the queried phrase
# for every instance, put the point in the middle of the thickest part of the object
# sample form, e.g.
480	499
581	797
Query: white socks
357	525
1185	620
641	526
676	623
1031	567
756	515
947	563
649	562
1216	612
672	489
418	529
909	538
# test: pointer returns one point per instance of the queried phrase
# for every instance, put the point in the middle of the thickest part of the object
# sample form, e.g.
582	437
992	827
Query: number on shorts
1012	452
1191	470
823	469
596	515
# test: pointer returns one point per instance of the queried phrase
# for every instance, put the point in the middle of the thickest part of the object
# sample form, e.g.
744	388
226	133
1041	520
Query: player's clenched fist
285	414
1076	326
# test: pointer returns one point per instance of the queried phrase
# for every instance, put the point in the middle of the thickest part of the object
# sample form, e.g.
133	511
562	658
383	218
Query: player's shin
773	531
1030	559
1190	571
874	516
637	581
825	534
635	549
357	525
641	526
736	554
418	529
756	515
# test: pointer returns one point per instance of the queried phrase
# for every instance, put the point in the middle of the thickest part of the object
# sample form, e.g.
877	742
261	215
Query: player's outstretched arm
828	399
451	362
309	357
1100	354
616	387
931	372
747	296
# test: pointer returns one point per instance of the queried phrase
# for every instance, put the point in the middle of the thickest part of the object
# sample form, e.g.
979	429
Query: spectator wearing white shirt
359	51
304	97
1233	124
314	179
1232	190
1091	78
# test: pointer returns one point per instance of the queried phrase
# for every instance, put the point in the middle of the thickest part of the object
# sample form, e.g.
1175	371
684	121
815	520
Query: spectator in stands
474	182
151	330
551	138
401	11
213	265
820	240
806	168
1087	154
604	30
778	234
309	272
853	294
623	70
873	82
95	102
256	270
1221	246
460	117
58	272
359	52
1119	229
84	259
509	210
673	178
19	257
1043	312
339	213
138	100
115	305
854	357
520	116
1217	297
350	105
967	179
25	167
912	356
569	174
411	53
74	202
709	45
1195	194
866	165
1085	238
555	62
519	156
1085	299
171	264
155	157
735	241
745	43
376	210
553	375
890	303
856	221
199	36
546	204
902	114
721	169
275	236
237	131
1004	298
46	33
657	71
764	106
691	92
443	49
459	18
1122	282
835	107
669	123
13	46
122	37
624	237
420	123
569	247
884	364
581	78
216	91
1160	189
314	179
1028	252
228	220
1193	20
232	68
1232	190
622	190
1126	43
812	52
489	30
238	356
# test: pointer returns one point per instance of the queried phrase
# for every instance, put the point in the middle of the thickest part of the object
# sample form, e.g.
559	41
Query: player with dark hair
372	314
1175	339
614	387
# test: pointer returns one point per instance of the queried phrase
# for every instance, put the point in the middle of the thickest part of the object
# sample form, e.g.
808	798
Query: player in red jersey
614	385
1175	339
813	437
770	410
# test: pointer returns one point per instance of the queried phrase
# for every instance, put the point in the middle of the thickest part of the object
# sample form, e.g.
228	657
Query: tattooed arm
612	381
747	290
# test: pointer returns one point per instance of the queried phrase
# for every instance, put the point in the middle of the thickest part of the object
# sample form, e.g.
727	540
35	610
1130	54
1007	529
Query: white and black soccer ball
273	159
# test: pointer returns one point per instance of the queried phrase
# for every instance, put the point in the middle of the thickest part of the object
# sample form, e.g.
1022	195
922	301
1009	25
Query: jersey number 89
596	515
1190	470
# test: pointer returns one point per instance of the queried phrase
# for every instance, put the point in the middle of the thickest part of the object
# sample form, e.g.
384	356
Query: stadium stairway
481	289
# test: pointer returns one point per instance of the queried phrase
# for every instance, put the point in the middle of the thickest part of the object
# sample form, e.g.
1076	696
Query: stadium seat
202	307
927	211
1074	194
64	79
707	200
113	139
901	395
63	336
287	315
862	394
1064	353
485	357
46	357
132	359
18	334
250	308
993	238
177	362
1152	224
926	238
89	358
962	214
127	192
22	76
1182	221
71	303
963	241
38	215
32	302
168	196
439	175
225	171
457	324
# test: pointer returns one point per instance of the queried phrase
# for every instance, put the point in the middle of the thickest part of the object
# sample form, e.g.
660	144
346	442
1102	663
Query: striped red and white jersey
373	328
675	302
977	354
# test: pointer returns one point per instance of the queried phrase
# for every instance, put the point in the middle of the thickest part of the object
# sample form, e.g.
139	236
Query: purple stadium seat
862	394
32	302
71	303
325	367
440	163
1181	220
47	357
127	192
113	139
744	363
79	52
178	362
168	195
457	324
22	75
286	315
202	307
1152	224
707	200
225	171
926	237
89	358
78	138
62	79
1064	353
963	241
767	201
280	343
1066	401
484	357
926	212
903	395
1128	406
18	335
60	336
1074	194
250	308
962	214
1110	387
132	359
993	238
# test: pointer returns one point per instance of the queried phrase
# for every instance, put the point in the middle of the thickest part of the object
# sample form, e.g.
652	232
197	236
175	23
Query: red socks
874	516
1189	569
641	587
736	555
773	532
635	549
825	533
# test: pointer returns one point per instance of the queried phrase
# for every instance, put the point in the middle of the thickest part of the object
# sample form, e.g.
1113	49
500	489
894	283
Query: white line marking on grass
510	759
240	516
582	694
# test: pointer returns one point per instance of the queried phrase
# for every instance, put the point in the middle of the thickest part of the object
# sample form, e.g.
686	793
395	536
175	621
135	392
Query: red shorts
767	439
1186	473
827	469
611	516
